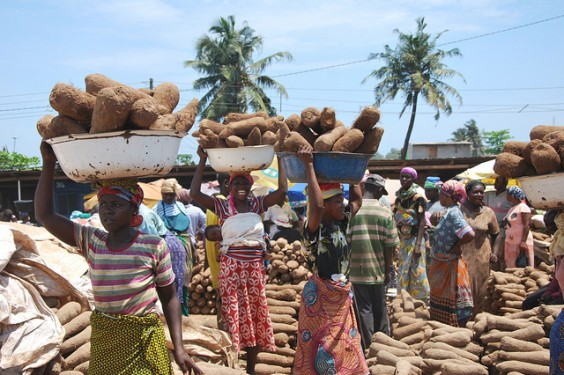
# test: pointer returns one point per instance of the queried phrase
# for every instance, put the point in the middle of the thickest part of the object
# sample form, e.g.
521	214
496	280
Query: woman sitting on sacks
242	273
451	295
328	337
176	220
130	270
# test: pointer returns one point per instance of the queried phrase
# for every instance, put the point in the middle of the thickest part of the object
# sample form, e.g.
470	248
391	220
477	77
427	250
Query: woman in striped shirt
130	270
242	272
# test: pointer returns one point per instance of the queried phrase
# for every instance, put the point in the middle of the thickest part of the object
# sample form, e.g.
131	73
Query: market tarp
481	171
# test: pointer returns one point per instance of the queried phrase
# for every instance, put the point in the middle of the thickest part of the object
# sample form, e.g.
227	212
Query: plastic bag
522	260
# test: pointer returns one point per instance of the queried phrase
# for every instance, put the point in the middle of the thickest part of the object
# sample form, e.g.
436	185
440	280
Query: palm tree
470	133
234	80
415	67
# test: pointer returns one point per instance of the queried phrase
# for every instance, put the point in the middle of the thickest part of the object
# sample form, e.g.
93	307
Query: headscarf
557	244
455	190
516	192
127	190
246	175
170	185
470	185
410	171
431	183
330	190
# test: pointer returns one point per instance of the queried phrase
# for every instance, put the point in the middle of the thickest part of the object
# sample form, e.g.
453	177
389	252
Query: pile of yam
202	299
543	154
516	343
107	105
507	290
283	306
422	346
318	128
287	263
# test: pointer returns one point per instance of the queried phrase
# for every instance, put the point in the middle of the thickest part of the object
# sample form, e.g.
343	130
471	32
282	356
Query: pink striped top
124	281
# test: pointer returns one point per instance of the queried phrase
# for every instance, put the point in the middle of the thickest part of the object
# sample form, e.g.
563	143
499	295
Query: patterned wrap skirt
328	337
451	294
412	270
243	304
126	344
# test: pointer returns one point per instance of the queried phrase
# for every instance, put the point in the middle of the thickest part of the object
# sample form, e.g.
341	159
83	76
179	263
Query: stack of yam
202	299
543	154
314	127
288	263
107	105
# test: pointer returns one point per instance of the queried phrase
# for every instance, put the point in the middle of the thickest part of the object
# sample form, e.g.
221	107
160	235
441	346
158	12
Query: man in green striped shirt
373	238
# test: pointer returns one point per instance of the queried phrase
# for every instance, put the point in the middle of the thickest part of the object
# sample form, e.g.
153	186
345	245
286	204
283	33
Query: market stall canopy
483	171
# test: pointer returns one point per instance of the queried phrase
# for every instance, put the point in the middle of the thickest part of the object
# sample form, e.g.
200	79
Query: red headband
246	175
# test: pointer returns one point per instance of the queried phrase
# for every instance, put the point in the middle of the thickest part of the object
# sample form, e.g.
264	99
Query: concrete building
439	150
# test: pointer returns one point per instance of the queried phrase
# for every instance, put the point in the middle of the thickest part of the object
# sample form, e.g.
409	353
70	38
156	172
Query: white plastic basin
240	159
544	191
129	153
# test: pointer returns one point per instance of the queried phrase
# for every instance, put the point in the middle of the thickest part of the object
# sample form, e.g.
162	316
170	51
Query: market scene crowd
436	240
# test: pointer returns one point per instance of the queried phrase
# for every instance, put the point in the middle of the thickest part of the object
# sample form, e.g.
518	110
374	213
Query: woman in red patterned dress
242	273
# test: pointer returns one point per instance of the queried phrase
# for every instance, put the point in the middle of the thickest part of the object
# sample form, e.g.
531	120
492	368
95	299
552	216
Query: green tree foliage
184	159
234	80
470	133
495	140
415	67
15	161
377	156
394	154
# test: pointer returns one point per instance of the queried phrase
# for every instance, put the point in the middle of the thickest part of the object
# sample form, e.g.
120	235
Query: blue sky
514	79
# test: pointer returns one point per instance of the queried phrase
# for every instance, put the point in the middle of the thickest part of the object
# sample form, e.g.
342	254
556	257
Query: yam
167	95
112	108
409	330
463	353
181	121
403	367
79	356
273	123
463	369
380	369
456	339
371	141
382	338
367	119
234	141
72	102
327	119
537	357
523	367
530	333
76	341
254	138
293	121
280	318
77	324
545	159
293	142
326	141
268	138
554	139
286	328
50	127
215	127
83	367
275	359
96	82
244	127
236	117
266	369
311	117
510	344
515	148
68	312
375	347
413	338
509	165
349	142
505	324
539	131
282	295
281	339
144	112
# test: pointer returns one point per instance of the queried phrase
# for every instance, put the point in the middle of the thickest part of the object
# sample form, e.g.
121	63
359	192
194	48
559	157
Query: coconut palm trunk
403	155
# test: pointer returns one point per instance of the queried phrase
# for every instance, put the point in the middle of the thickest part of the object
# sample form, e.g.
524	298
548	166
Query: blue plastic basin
329	166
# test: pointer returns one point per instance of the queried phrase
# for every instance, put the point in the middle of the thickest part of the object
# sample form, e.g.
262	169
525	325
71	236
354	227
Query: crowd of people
441	238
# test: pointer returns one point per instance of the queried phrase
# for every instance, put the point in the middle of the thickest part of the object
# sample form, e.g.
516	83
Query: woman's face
168	198
445	200
406	180
511	199
115	212
334	207
476	195
240	187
